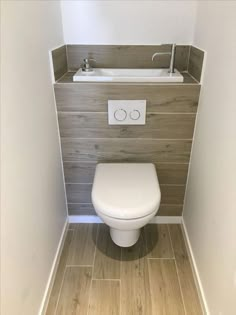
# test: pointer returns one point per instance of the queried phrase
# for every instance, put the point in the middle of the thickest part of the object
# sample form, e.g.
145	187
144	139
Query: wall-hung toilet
126	196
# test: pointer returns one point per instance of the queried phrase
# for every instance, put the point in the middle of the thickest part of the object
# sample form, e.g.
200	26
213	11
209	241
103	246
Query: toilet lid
126	190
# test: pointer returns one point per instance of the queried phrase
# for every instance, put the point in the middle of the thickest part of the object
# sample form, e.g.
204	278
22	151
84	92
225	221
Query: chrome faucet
86	65
172	57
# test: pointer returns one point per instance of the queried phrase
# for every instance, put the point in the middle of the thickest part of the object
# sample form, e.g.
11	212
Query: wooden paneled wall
165	140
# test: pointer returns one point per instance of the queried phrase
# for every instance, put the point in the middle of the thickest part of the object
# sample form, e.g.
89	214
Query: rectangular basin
127	75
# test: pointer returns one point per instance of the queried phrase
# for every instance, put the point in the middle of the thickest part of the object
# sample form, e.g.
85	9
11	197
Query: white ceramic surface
127	75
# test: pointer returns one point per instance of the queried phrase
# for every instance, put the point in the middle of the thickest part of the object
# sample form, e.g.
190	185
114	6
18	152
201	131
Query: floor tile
74	297
104	297
82	249
158	241
135	289
107	257
59	275
165	289
190	296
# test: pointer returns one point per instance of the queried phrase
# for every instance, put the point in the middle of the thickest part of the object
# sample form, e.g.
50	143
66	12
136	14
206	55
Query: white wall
33	199
210	207
128	22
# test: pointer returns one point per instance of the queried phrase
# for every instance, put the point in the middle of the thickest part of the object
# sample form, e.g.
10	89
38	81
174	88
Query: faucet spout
172	57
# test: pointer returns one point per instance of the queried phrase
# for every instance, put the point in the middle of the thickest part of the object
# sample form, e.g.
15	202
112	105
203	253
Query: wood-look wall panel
87	209
195	63
59	60
80	172
93	97
126	56
120	150
95	125
81	193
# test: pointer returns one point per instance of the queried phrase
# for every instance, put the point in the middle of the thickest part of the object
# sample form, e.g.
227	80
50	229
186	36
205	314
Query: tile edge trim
96	219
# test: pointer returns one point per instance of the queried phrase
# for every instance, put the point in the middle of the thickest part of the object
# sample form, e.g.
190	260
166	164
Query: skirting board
44	303
96	219
197	279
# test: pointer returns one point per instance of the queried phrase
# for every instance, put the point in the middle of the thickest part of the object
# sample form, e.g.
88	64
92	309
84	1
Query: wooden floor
96	277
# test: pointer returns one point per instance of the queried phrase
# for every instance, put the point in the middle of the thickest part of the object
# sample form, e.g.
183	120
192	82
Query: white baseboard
44	304
196	275
96	219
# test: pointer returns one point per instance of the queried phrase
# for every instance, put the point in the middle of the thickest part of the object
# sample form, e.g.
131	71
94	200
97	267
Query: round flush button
120	114
135	114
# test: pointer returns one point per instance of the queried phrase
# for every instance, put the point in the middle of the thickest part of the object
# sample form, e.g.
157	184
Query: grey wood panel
74	297
88	209
107	257
170	210
196	62
82	248
190	296
126	56
104	298
120	150
135	287
59	60
95	125
93	97
81	193
80	172
59	275
158	241
165	290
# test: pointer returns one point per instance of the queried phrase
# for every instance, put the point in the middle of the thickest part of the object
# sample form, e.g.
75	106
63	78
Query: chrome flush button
120	114
135	114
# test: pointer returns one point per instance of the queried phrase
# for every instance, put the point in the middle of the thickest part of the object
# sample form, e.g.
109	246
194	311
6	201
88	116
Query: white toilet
126	196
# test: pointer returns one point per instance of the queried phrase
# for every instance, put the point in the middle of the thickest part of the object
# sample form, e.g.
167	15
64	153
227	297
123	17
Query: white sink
127	75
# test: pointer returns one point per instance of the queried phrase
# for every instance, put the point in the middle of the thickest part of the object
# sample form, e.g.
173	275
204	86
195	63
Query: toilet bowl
126	196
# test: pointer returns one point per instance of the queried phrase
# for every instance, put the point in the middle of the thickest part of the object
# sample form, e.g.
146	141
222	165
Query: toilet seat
126	190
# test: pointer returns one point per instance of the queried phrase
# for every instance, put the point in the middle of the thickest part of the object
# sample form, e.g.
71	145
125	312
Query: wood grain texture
165	290
81	193
126	56
74	296
190	296
59	60
59	275
87	209
135	288
170	210
93	97
95	125
82	248
78	193
126	150
107	257
158	241
81	209
79	172
104	298
196	63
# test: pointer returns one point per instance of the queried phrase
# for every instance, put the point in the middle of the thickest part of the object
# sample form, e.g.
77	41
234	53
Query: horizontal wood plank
126	56
120	150
93	97
81	193
95	125
80	172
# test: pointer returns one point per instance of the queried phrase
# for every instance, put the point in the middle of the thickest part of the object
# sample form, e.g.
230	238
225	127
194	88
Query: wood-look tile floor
96	277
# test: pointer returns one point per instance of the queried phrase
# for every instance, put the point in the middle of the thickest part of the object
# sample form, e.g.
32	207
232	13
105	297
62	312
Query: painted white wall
210	205
128	22
33	198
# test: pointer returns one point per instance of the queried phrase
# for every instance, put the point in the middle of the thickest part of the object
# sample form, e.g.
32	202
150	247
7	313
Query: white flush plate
126	112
